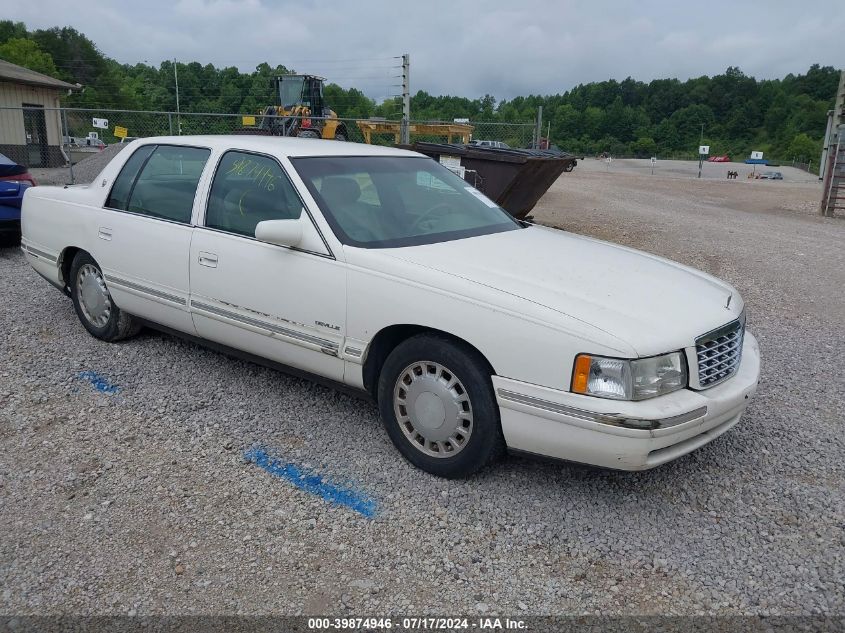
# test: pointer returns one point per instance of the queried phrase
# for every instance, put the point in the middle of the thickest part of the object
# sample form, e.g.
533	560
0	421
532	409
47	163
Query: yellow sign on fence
120	132
248	120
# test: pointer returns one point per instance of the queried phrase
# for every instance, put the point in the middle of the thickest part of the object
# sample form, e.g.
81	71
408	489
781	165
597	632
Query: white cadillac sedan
379	269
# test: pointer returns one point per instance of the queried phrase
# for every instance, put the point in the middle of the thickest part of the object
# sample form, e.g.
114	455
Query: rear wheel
93	303
437	404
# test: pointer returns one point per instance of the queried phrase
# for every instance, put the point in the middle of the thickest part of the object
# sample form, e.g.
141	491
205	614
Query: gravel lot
141	501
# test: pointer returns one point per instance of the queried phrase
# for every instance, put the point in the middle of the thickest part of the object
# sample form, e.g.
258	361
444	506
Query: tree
783	117
566	122
28	54
12	30
644	147
804	148
666	136
688	121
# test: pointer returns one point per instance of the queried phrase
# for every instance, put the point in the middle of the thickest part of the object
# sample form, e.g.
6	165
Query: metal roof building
30	123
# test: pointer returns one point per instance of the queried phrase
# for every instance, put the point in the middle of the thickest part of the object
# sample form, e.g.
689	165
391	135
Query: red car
719	159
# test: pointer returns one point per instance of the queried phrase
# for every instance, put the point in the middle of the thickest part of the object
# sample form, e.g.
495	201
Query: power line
341	61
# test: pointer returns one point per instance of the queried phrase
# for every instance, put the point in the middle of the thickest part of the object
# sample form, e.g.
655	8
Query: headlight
620	379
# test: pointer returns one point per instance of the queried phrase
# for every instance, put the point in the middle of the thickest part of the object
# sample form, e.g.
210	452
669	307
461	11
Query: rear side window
123	183
159	181
167	184
248	189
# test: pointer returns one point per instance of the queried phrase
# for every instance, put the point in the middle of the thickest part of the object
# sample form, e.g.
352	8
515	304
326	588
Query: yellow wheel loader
302	111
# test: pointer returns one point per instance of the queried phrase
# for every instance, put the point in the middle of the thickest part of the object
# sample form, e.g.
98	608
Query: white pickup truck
379	269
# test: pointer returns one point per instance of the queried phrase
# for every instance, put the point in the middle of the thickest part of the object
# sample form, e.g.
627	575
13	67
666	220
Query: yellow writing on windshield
261	176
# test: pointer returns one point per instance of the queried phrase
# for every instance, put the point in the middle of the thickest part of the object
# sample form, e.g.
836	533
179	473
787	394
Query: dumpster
515	178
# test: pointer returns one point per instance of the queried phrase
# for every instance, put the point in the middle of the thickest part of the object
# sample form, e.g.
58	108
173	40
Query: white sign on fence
653	159
756	155
100	123
703	149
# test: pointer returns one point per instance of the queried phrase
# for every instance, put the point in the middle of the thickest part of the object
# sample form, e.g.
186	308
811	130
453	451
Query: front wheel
436	401
93	303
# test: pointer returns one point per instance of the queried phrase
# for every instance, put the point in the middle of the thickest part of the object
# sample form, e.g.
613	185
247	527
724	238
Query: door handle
104	233
207	259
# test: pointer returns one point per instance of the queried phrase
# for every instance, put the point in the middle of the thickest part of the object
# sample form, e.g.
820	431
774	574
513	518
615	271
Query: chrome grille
719	353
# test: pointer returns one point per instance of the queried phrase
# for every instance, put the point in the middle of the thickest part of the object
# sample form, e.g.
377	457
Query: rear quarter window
119	195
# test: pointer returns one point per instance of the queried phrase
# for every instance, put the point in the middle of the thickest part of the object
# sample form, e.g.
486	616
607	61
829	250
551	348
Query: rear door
144	233
285	304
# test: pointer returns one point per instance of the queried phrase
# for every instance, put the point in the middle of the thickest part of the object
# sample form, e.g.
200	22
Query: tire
437	404
93	303
308	134
340	135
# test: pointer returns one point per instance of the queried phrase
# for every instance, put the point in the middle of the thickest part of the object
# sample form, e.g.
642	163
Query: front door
285	304
35	126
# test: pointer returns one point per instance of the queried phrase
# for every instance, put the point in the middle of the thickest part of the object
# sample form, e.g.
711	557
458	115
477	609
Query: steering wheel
443	207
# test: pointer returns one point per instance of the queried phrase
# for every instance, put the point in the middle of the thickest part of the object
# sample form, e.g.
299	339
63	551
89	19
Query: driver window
248	189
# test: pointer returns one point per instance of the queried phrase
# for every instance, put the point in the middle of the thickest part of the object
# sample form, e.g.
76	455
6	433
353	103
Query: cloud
467	48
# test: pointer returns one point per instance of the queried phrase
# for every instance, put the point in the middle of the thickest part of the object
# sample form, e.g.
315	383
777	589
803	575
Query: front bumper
595	431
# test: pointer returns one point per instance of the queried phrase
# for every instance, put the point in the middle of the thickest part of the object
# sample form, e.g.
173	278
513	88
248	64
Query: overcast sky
468	48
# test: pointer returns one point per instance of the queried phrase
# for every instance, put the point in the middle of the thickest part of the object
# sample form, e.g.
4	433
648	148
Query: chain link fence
62	137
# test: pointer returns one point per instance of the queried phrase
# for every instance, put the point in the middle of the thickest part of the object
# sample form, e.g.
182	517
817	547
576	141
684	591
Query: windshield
390	201
291	90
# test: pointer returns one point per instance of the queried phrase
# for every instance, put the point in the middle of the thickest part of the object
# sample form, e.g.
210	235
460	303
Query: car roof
280	145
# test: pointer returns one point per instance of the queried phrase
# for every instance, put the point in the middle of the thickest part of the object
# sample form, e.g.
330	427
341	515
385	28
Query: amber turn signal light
581	373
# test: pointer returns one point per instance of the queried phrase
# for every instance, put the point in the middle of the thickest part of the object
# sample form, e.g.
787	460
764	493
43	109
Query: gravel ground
141	501
688	169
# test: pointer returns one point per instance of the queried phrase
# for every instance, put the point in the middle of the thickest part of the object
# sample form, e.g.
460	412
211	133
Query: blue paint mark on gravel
309	481
99	382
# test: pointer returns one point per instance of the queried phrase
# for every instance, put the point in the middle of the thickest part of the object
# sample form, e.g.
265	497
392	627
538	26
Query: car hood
651	303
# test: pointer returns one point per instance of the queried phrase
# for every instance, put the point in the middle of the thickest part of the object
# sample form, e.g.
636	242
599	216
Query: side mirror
279	232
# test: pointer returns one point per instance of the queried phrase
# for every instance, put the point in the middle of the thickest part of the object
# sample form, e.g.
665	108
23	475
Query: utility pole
178	116
539	131
700	155
405	135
